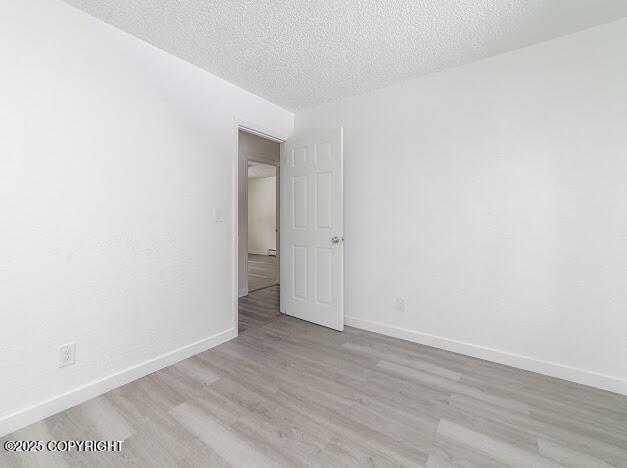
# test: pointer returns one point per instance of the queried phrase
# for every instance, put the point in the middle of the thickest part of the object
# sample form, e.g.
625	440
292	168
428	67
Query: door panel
324	276
324	200
299	272
299	157
311	216
299	202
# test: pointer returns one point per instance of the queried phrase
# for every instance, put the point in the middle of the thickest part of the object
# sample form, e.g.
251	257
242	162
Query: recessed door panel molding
299	272
299	157
298	201
312	222
324	200
324	276
323	152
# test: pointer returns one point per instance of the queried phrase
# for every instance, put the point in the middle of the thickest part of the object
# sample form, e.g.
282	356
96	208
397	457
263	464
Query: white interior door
312	220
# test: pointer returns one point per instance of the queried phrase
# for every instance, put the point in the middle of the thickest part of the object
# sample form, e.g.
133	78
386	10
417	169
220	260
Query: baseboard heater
272	252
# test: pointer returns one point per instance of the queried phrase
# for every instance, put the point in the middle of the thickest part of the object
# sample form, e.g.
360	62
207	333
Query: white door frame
270	134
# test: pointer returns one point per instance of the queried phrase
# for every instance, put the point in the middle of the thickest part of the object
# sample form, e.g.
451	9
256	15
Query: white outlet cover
399	304
67	355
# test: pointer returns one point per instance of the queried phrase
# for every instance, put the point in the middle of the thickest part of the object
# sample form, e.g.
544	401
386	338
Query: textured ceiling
301	53
257	170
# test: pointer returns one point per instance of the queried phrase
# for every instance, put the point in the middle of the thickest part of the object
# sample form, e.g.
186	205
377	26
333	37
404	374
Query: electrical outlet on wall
67	355
399	304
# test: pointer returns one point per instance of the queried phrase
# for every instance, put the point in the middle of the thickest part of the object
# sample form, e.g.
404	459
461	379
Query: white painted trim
243	292
560	371
235	227
26	416
269	134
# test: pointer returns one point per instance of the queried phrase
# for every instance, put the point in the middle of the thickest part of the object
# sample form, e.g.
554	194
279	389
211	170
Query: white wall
113	155
493	197
261	215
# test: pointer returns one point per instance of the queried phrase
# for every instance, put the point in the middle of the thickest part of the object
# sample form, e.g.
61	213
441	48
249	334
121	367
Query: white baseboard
58	403
242	292
560	371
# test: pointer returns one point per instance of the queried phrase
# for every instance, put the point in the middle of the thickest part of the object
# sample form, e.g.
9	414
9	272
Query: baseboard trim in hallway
552	369
22	418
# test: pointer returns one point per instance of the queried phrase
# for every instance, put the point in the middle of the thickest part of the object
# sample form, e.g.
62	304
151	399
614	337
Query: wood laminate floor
263	271
289	393
258	308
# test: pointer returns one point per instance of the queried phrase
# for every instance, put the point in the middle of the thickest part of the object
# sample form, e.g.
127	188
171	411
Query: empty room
313	233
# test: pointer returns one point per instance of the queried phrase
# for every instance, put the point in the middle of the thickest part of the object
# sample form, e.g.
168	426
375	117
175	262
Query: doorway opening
309	244
258	229
263	266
